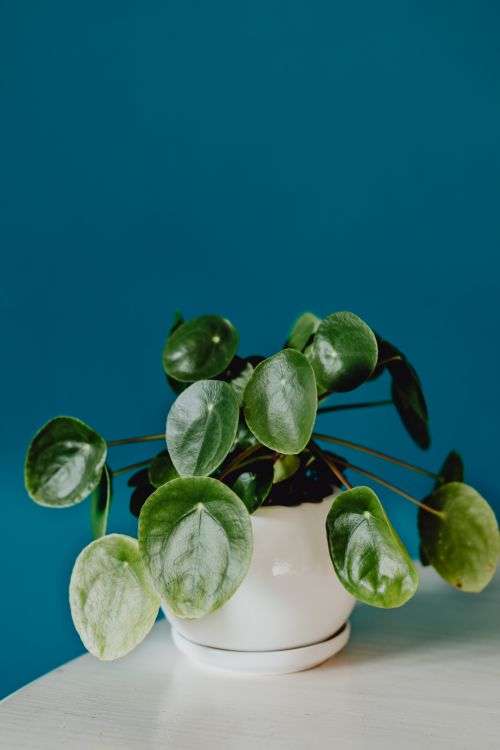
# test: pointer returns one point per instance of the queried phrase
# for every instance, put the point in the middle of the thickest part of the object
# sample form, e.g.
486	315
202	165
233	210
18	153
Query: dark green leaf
200	348
410	403
280	402
462	545
423	557
64	462
201	427
177	321
387	354
142	490
254	483
162	469
100	503
311	483
302	330
113	604
240	382
195	536
343	352
369	558
244	438
406	391
452	469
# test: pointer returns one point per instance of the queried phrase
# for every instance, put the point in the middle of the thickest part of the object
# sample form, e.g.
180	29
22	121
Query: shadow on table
440	619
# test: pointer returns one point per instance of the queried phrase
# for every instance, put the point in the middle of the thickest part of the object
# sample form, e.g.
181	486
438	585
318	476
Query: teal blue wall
249	158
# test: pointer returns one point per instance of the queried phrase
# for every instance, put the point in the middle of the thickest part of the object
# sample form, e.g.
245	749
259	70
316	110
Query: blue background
250	158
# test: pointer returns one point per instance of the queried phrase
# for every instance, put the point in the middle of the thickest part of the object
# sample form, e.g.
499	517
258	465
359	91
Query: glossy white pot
289	613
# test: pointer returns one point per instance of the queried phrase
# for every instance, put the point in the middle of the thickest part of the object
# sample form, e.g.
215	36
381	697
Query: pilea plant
241	435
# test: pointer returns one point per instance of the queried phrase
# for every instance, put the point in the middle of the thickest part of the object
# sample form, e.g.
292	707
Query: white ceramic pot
289	613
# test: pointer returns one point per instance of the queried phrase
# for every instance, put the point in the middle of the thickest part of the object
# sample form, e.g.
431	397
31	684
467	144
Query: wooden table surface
423	676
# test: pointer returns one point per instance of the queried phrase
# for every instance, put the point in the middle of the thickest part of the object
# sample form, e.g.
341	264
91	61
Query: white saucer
263	662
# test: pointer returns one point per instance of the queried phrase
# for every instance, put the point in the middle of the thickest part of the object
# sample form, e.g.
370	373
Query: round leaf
177	321
280	402
113	604
100	503
200	348
302	330
201	427
64	462
462	545
343	352
195	536
254	484
369	558
162	469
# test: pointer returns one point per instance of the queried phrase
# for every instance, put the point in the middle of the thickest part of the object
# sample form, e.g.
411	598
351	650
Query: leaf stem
373	452
360	405
330	462
140	439
235	464
250	462
389	486
130	467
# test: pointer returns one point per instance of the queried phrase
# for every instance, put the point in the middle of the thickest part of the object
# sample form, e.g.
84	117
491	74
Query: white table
424	676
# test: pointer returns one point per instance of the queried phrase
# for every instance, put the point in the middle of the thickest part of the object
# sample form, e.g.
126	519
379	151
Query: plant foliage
240	436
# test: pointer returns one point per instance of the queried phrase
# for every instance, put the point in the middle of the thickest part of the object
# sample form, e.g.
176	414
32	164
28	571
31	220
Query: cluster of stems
334	463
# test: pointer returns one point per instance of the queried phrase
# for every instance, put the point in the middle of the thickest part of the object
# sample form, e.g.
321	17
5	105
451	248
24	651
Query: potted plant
250	535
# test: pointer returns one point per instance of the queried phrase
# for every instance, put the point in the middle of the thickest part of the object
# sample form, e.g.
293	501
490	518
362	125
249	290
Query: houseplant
243	464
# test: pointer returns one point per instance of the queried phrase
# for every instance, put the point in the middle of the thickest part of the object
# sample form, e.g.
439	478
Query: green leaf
177	321
410	403
285	467
100	503
113	604
201	427
406	391
462	545
387	354
254	484
244	438
195	536
161	469
343	352
200	348
452	470
369	558
142	490
280	402
240	382
302	330
64	462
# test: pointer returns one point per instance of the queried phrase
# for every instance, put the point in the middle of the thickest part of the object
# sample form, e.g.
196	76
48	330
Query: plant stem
390	486
140	439
373	452
239	459
252	461
130	467
360	405
330	463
